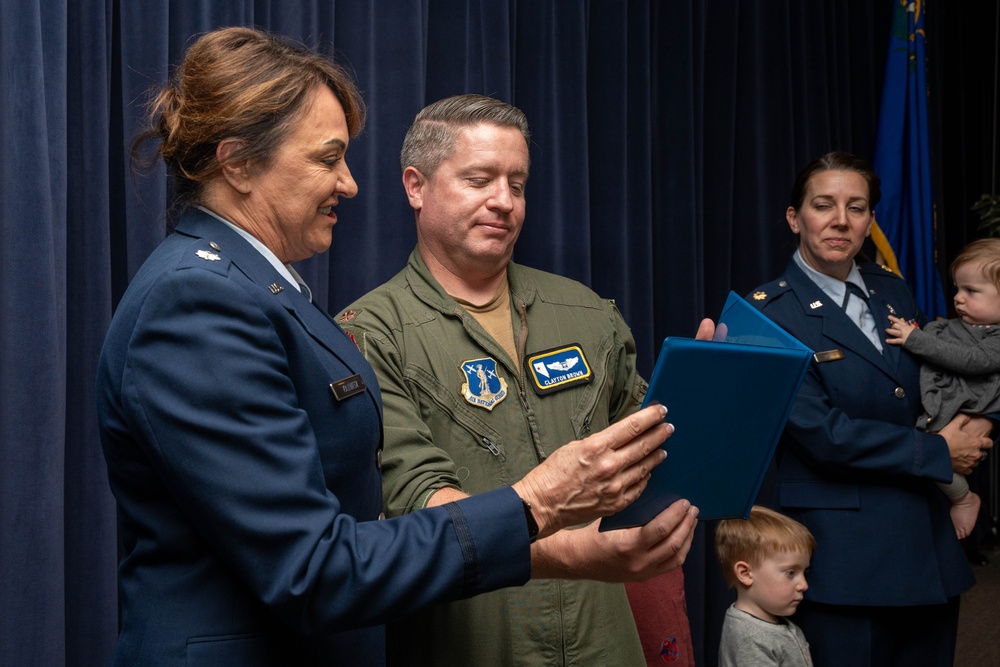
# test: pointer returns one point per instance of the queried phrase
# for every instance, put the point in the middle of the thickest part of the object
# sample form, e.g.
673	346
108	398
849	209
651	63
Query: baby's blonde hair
986	254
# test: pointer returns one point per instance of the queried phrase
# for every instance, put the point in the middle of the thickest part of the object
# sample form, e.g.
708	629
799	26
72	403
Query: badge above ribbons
557	369
483	387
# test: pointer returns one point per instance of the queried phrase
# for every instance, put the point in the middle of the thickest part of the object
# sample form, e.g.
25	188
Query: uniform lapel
881	309
835	324
316	322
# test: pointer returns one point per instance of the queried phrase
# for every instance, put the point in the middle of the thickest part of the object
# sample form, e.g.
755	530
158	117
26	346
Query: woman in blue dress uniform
243	429
888	570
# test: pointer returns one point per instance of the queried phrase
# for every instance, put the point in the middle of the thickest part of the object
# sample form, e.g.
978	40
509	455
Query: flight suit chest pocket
475	443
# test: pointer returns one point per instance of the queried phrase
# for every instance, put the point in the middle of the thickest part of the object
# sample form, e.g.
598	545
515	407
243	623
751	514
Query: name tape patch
558	368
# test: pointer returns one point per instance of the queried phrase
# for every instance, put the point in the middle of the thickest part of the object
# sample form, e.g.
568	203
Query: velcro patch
557	369
483	386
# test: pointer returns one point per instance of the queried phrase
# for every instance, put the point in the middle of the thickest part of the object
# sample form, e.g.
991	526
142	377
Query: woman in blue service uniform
243	429
886	577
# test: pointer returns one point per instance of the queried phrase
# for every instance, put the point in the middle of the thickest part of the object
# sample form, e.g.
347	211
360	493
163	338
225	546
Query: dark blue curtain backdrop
666	134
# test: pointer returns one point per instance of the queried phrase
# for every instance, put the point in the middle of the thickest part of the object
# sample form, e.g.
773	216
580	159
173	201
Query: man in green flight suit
486	367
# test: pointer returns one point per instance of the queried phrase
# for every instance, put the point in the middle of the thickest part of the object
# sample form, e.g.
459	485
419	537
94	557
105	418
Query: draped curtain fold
665	136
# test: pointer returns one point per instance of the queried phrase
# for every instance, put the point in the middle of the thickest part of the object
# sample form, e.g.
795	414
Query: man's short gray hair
431	138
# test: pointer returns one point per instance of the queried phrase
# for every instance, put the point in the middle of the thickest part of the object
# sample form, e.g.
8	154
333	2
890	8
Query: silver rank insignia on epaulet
208	255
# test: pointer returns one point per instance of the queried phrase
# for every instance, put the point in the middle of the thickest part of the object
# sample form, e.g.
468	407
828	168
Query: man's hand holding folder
728	400
639	553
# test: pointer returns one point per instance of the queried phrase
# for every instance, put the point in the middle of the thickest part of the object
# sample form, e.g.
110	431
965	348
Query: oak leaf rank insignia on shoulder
208	255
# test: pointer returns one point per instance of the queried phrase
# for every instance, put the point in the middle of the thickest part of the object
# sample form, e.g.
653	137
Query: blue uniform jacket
248	490
850	464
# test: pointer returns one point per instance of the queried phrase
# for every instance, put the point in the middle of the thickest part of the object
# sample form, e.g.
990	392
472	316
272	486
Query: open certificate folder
728	399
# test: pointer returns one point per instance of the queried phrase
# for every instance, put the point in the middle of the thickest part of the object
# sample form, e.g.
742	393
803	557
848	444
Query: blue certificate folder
728	399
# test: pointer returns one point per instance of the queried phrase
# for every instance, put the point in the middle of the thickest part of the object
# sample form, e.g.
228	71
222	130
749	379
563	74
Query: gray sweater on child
960	370
748	641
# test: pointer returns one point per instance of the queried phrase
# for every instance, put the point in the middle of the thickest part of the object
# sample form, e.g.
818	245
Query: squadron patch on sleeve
483	386
558	368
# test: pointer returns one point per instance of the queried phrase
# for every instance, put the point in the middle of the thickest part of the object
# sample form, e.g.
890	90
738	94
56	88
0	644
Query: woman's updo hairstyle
237	83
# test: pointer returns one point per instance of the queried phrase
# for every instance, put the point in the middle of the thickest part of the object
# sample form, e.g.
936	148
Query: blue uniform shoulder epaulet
202	254
878	270
767	292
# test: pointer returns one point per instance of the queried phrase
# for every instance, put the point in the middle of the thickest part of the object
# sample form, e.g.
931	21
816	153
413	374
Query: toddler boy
765	559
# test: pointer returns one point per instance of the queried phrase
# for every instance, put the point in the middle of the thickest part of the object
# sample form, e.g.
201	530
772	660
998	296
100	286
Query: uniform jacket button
900	392
378	459
381	516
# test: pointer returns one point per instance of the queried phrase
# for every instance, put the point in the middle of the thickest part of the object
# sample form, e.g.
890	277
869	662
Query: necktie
306	292
854	290
860	315
303	288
